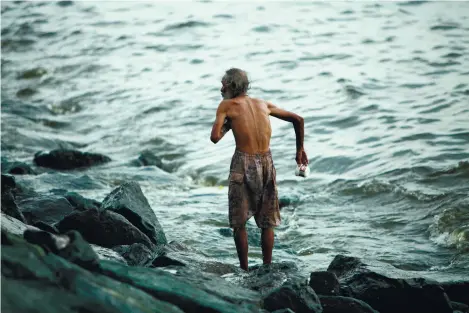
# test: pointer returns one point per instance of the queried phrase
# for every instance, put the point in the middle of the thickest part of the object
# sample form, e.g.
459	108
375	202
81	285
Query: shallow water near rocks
383	88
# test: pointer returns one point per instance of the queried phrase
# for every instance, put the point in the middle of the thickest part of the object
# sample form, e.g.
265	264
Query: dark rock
63	159
81	203
8	182
457	291
333	304
70	246
108	254
324	283
136	254
294	295
32	73
46	227
388	295
104	228
129	201
164	260
14	226
461	307
191	292
46	208
283	311
53	285
9	206
17	168
147	158
265	278
342	265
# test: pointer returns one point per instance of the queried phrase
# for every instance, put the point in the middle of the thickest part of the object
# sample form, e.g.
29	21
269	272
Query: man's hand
301	157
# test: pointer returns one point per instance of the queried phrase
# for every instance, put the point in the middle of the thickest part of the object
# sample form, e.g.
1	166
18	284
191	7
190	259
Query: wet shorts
253	190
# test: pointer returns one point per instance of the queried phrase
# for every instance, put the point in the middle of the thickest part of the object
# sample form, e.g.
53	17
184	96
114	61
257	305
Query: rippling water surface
383	88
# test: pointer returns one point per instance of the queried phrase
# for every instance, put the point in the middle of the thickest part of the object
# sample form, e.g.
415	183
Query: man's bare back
249	120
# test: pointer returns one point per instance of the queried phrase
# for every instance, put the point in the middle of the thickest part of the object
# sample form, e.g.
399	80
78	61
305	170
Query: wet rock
26	92
334	304
70	246
46	208
129	201
265	278
13	225
46	227
8	182
457	291
9	205
385	294
63	159
81	203
342	265
104	228
147	158
32	73
191	292
461	307
17	168
324	283
108	254
53	285
164	261
295	295
136	254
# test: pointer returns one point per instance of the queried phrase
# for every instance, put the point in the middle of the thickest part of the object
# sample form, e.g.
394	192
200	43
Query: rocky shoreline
62	252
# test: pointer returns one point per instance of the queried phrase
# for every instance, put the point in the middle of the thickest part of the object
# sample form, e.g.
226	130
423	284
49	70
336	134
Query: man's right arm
298	124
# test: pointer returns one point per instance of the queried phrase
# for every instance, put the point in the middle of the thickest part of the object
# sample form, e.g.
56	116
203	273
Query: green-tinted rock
32	271
206	296
104	228
81	203
129	201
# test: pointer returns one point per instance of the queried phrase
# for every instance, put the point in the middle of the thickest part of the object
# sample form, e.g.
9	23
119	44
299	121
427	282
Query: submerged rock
385	294
295	295
47	208
334	304
63	159
104	228
17	168
129	201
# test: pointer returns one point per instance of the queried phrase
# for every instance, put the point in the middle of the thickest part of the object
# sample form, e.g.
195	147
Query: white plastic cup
302	170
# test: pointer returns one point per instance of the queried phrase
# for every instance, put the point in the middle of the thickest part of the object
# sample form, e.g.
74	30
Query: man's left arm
221	125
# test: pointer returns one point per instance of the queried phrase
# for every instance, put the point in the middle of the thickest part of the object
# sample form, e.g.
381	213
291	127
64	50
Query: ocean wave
451	227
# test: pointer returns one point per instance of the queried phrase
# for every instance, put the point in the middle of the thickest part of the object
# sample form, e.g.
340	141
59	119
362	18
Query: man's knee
237	229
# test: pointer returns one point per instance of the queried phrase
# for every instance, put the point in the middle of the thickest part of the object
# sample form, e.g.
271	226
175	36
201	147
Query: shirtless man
252	181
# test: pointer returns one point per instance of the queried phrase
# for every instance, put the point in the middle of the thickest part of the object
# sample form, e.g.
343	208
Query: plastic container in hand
302	170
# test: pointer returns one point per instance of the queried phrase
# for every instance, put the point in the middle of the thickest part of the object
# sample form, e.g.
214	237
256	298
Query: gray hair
237	80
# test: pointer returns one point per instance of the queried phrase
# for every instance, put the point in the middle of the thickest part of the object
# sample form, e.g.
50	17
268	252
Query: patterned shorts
253	190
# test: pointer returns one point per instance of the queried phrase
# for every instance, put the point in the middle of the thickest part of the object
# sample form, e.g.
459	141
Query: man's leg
241	241
267	243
